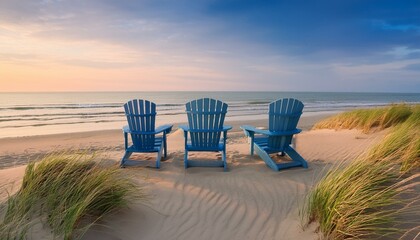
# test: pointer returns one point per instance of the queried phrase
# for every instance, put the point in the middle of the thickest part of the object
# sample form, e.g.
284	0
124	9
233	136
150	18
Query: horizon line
163	91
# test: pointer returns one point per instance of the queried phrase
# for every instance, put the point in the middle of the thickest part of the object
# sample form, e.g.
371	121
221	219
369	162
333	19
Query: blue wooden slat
189	118
200	122
289	110
145	138
141	126
127	109
280	123
136	104
212	135
130	109
271	117
194	122
146	126
287	104
219	121
281	106
206	107
135	138
153	118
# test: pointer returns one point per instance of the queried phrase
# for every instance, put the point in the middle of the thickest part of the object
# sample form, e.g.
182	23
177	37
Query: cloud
281	45
412	67
400	27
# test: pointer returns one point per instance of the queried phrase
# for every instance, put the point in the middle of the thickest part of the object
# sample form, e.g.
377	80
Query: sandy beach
250	201
73	74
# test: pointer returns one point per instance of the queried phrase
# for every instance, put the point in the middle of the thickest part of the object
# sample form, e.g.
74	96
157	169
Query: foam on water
25	114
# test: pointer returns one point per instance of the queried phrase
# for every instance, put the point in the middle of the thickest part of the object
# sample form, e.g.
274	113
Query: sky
209	45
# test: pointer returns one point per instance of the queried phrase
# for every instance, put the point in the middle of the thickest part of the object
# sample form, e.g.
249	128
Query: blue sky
370	46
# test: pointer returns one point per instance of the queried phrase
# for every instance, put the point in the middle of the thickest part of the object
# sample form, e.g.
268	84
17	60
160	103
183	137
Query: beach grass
363	199
69	192
402	144
368	119
360	201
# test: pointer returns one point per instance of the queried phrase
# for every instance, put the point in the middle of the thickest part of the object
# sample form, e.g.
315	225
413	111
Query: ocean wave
81	111
62	114
56	123
23	108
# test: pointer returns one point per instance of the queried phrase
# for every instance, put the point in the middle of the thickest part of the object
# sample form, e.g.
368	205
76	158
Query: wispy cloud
395	27
246	45
412	67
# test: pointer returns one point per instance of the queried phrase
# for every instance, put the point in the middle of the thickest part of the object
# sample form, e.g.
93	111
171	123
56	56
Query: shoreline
17	151
305	123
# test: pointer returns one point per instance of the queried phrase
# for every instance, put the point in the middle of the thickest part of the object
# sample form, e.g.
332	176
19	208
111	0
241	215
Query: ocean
28	114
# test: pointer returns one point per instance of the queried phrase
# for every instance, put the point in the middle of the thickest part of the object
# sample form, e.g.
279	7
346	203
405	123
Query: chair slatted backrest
205	119
284	115
141	115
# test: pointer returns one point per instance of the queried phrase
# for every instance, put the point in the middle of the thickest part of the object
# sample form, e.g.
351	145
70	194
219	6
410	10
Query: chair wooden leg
267	159
224	160
159	156
125	158
186	159
252	144
164	146
296	156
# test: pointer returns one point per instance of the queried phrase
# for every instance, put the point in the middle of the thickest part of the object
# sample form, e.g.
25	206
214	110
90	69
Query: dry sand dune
250	201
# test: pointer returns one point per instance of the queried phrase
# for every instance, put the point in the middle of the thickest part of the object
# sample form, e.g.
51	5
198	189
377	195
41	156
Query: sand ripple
249	202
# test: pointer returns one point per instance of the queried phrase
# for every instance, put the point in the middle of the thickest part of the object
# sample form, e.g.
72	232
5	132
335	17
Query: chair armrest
164	128
184	127
226	128
286	133
126	129
269	133
252	129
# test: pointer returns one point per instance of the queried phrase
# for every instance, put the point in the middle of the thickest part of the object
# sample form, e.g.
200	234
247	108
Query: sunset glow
211	45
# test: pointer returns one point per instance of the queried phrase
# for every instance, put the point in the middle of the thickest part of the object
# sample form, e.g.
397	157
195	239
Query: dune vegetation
402	144
369	119
68	192
366	198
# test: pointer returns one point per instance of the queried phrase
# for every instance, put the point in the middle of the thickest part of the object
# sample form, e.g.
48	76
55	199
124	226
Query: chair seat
156	148
189	147
262	142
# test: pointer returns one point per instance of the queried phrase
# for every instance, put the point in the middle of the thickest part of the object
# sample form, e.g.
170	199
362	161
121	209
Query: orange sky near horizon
34	64
29	63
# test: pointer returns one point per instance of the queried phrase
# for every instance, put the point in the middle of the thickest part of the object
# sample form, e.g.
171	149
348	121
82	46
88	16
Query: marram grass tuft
363	200
71	191
368	119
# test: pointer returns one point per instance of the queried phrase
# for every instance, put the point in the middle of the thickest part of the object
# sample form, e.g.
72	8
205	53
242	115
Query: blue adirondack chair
141	116
284	115
205	128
